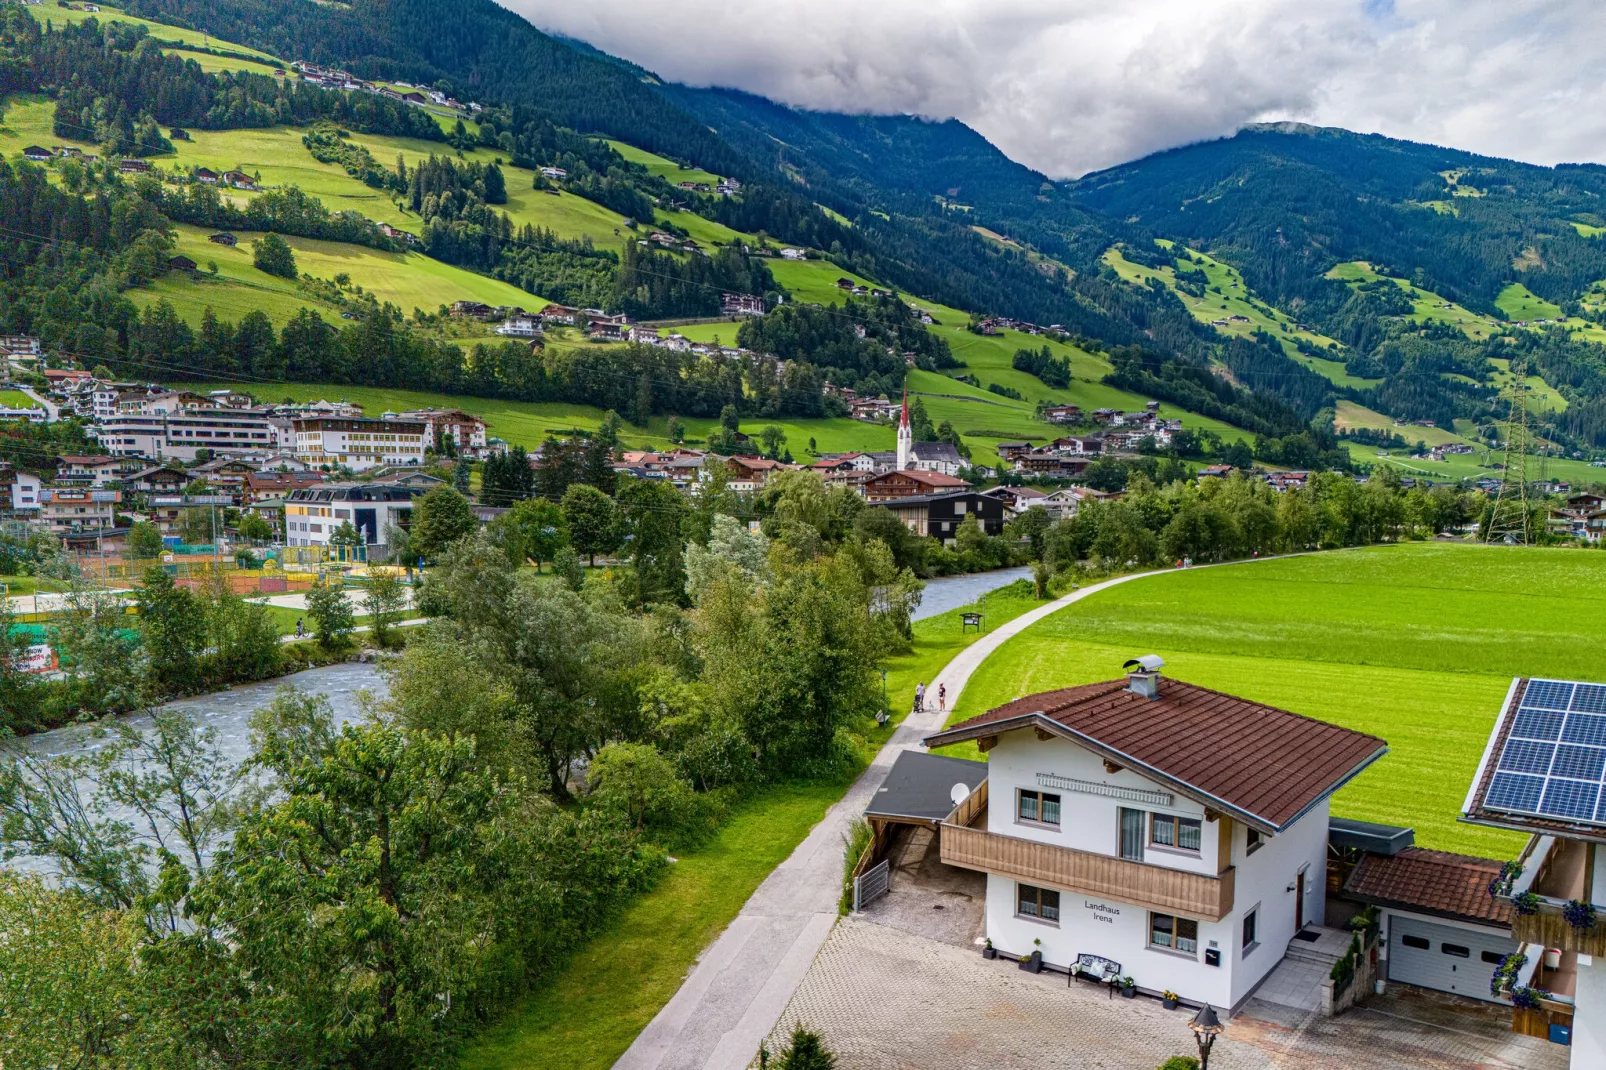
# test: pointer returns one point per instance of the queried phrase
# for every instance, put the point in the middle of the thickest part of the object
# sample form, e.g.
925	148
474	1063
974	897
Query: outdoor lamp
1205	1026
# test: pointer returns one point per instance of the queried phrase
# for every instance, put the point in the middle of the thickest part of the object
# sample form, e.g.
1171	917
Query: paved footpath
744	980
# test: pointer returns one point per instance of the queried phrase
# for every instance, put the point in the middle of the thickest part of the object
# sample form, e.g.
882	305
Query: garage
1445	931
1448	958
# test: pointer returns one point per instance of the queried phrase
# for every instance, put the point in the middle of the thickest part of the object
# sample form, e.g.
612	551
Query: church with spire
906	437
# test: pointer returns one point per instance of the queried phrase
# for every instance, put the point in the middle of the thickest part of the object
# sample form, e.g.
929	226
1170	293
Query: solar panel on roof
1553	763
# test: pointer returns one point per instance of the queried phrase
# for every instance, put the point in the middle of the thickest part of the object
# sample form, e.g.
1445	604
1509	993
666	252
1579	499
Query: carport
919	791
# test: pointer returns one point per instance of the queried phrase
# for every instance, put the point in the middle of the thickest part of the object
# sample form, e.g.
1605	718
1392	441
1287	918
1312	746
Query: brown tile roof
1263	762
1431	882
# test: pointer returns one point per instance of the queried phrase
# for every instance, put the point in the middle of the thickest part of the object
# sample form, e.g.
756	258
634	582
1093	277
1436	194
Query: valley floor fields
1415	643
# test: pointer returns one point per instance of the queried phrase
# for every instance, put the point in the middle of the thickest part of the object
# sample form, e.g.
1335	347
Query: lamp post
1206	1027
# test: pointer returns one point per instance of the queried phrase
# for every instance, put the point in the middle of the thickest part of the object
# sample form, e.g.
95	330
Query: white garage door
1446	958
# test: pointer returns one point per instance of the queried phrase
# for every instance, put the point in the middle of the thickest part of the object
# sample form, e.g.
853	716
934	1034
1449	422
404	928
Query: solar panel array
1554	761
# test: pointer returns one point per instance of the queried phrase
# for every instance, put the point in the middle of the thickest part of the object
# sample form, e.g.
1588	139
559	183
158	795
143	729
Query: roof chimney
1143	675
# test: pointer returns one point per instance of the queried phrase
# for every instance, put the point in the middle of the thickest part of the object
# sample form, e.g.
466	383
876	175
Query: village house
22	492
359	444
260	486
1062	414
523	325
469	310
939	515
83	508
62	380
607	332
1016	499
909	483
134	167
751	473
1583	516
92	471
793	254
465	431
1064	503
555	174
205	176
158	479
36	153
1153	829
1052	464
1541	774
181	263
237	180
741	304
559	314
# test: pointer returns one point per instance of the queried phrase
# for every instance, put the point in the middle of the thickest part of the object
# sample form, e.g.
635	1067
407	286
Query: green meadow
407	280
1415	643
662	167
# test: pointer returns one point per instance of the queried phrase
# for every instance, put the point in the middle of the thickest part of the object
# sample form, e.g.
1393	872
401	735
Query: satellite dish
959	793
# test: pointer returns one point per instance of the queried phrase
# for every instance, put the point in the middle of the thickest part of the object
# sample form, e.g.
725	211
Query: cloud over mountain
1069	86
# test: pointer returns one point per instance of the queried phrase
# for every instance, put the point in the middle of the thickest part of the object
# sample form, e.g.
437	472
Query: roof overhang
1044	723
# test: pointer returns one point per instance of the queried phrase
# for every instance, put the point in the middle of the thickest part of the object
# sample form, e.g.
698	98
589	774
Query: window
1180	833
1250	921
1039	806
1418	942
1493	958
1456	950
1132	822
1040	903
1253	841
1173	933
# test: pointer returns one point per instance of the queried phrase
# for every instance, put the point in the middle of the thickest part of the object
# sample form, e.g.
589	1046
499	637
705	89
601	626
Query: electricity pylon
1511	519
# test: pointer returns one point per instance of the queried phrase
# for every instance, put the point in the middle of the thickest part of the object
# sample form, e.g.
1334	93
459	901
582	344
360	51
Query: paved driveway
886	999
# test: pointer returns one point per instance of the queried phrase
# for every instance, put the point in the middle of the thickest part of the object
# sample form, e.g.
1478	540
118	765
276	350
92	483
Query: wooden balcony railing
1155	887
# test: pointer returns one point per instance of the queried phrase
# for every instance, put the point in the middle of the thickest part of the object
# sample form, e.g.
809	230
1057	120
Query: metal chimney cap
1145	663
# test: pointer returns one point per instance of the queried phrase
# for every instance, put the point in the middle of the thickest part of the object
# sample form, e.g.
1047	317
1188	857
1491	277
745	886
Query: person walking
920	697
942	698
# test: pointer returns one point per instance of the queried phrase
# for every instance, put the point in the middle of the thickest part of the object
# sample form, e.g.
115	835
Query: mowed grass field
406	280
1415	643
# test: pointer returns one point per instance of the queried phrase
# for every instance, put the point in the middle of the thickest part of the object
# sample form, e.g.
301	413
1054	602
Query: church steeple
906	438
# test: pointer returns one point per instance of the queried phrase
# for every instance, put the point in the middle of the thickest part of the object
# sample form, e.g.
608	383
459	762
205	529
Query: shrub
806	1051
854	844
1525	904
639	783
1180	1062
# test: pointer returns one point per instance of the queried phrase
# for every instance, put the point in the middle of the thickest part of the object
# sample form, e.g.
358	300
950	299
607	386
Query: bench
1096	968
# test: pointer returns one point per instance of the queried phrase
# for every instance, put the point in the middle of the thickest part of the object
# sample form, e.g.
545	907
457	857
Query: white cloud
1069	86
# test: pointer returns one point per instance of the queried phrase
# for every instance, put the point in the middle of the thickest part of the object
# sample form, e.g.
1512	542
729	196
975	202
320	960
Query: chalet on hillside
205	175
909	483
223	237
134	167
238	180
36	153
181	263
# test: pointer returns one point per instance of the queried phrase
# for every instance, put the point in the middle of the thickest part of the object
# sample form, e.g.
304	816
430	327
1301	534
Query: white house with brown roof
1152	828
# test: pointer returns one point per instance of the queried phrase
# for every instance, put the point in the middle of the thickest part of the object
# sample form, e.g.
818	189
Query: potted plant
1129	987
1034	964
1170	999
1525	904
1580	913
988	951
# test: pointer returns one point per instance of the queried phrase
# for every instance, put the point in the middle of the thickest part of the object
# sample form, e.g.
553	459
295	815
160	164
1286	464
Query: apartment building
313	514
166	430
1152	829
360	444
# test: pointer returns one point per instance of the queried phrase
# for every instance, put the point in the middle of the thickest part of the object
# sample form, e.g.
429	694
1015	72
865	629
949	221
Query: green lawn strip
1415	643
596	1005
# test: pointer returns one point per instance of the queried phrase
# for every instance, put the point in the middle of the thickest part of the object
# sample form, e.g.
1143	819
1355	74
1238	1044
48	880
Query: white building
1542	773
465	430
313	514
175	432
26	493
360	444
1176	832
521	326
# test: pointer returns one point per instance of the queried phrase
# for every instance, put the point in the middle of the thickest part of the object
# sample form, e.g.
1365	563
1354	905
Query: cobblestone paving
886	999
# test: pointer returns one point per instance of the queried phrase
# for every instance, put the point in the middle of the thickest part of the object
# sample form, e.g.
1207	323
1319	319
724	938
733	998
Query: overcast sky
1070	86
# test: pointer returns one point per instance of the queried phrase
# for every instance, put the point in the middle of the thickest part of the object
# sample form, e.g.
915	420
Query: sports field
1414	643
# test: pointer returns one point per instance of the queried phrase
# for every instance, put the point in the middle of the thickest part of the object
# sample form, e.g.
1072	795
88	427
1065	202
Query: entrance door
1299	901
367	524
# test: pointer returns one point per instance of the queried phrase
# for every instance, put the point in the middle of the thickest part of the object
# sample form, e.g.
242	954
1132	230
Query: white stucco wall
1589	1018
1120	931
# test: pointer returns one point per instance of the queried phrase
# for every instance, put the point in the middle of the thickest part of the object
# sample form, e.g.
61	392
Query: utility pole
1510	520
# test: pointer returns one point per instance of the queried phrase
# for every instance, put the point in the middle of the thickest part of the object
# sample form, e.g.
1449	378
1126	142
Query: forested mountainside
1286	202
1372	272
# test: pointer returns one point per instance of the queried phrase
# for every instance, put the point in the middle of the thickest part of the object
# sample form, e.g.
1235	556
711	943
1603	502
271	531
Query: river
951	592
